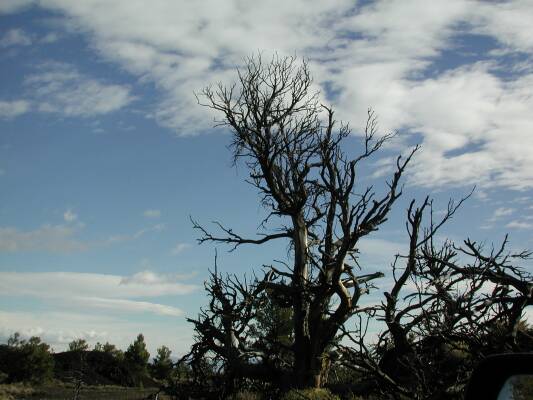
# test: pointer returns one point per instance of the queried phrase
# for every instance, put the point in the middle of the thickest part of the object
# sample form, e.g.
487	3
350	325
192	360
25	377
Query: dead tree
449	307
297	159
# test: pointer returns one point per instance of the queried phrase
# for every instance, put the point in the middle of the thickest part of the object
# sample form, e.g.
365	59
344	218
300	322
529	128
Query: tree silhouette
293	149
445	302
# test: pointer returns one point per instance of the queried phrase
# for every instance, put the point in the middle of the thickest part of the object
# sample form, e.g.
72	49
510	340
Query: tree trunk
302	341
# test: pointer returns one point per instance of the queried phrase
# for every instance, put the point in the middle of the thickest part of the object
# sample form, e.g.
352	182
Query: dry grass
66	392
16	391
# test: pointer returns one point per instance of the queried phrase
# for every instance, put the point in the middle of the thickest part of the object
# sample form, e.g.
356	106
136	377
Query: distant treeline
33	361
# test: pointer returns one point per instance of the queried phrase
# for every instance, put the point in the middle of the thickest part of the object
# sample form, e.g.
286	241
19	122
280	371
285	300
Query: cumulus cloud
60	88
12	109
50	238
15	37
473	118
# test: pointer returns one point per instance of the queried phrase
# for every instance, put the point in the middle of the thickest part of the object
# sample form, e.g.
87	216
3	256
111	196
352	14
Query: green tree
136	358
162	365
29	361
78	345
110	349
39	360
15	340
272	330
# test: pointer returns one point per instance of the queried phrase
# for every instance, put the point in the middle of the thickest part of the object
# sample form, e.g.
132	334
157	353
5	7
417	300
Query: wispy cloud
60	88
180	247
141	232
148	277
49	238
59	328
152	213
70	216
12	109
15	37
497	215
51	37
88	290
502	212
519	225
122	305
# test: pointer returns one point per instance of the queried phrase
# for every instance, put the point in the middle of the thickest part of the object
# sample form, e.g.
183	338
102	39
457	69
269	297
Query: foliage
272	330
136	359
112	350
78	345
29	361
162	365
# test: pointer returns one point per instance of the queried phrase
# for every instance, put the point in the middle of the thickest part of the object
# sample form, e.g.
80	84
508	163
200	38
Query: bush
309	394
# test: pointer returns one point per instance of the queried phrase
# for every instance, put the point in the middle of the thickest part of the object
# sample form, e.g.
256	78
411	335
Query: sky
105	154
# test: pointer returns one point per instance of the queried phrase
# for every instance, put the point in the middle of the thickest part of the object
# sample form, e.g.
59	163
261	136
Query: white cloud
15	37
498	214
89	291
12	6
59	88
180	247
509	22
141	232
502	212
474	124
12	109
59	328
50	238
70	216
378	253
519	225
151	213
148	277
51	37
122	305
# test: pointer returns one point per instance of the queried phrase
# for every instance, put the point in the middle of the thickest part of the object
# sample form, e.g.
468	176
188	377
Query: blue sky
104	153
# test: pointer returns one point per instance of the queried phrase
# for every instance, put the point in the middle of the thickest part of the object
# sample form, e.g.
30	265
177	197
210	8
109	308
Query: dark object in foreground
494	372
